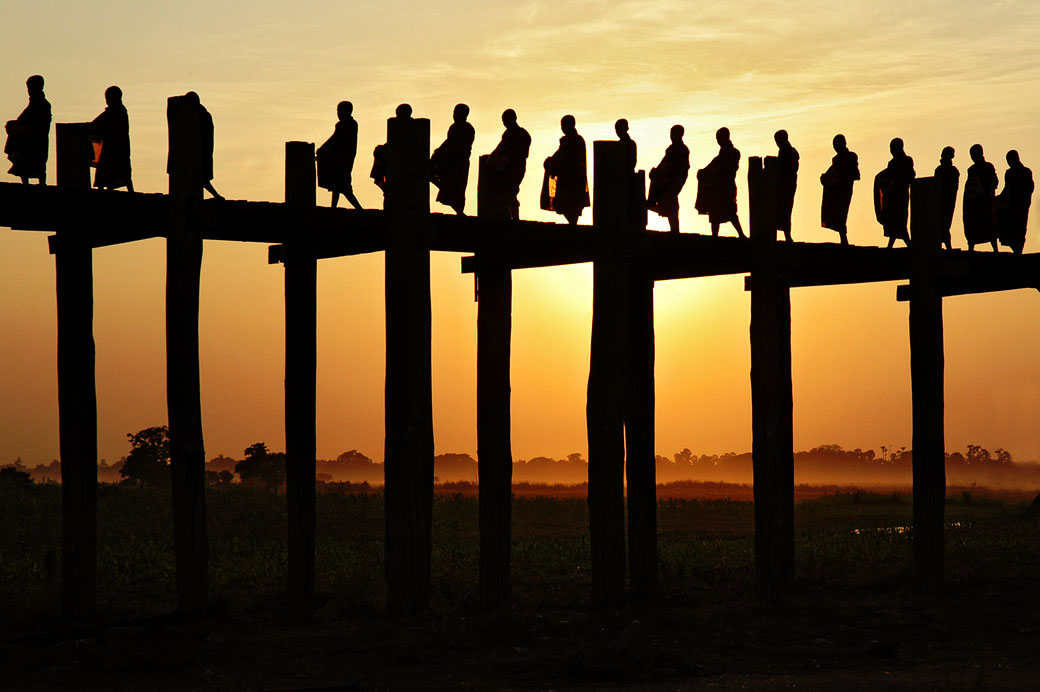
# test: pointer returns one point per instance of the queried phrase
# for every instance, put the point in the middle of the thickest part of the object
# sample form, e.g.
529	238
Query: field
850	622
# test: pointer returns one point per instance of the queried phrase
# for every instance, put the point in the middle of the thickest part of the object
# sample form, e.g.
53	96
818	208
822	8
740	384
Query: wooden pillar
494	446
926	374
77	396
300	375
641	459
607	380
183	270
408	451
772	447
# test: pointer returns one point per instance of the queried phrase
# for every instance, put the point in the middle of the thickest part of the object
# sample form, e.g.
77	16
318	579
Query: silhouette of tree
15	476
262	466
219	478
148	462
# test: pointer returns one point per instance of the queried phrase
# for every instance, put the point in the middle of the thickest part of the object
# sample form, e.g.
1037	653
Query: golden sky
933	73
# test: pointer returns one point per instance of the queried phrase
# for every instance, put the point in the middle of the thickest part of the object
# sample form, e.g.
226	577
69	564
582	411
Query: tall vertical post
408	451
183	271
604	409
927	389
772	447
494	447
300	374
640	456
77	395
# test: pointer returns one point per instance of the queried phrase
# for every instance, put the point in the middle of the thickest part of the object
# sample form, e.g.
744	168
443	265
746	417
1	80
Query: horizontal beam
96	218
971	285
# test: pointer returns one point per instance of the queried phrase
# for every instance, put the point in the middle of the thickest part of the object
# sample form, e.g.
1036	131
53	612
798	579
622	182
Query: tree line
148	460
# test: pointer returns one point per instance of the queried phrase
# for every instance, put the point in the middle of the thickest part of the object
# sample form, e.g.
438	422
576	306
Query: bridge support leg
619	411
641	459
494	450
926	374
183	271
77	395
494	446
772	447
408	456
300	375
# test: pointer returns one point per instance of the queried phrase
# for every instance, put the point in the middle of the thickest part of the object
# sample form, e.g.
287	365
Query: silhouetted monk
629	144
111	131
717	186
205	152
892	194
379	154
949	181
786	168
565	188
508	165
979	195
668	178
837	189
449	165
336	156
1013	204
28	137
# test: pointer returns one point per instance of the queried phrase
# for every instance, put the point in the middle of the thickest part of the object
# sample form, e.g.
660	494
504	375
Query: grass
703	544
849	623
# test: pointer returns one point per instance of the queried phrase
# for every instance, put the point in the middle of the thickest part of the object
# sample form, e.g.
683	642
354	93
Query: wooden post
494	447
408	452
607	379
77	395
183	270
300	375
772	447
641	459
926	374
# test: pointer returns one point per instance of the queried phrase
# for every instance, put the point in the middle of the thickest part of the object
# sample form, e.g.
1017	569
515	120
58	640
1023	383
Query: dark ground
850	623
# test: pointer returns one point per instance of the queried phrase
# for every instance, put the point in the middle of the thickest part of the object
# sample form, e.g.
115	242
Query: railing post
408	455
494	448
772	447
77	395
927	388
300	382
183	271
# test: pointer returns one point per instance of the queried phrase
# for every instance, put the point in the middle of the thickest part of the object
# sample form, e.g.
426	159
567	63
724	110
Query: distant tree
977	455
148	462
219	478
15	476
260	465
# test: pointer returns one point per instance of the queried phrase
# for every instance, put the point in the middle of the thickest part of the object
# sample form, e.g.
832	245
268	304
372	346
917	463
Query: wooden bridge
627	260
